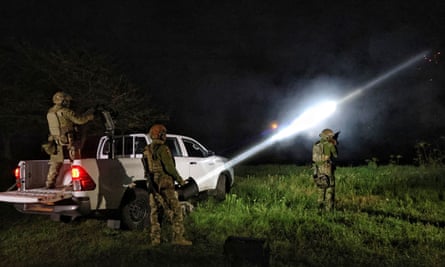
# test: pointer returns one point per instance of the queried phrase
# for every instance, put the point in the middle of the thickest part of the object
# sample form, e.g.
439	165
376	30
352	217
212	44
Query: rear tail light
82	181
17	177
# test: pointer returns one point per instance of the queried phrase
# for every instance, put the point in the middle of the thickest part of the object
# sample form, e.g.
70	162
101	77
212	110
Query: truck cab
192	158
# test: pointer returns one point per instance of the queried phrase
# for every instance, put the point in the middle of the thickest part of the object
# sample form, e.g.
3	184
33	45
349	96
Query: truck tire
135	212
220	191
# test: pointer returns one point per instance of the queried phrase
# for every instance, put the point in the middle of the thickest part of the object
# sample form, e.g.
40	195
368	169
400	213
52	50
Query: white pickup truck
114	180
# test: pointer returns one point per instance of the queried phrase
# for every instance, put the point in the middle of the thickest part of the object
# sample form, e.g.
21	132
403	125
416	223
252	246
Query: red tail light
82	181
17	177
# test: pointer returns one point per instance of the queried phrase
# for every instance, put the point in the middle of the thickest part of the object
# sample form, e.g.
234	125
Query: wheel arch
134	214
130	193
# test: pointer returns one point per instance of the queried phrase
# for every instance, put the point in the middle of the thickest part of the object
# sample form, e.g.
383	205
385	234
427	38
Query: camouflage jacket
323	151
161	161
61	121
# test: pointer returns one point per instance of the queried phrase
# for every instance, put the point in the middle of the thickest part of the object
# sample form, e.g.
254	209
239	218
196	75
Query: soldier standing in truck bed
61	122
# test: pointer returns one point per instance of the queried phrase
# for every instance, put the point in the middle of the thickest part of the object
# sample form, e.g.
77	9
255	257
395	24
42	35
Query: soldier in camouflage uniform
163	196
61	121
322	153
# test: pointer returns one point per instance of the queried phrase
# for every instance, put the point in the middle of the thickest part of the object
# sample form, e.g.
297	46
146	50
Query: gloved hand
90	117
181	182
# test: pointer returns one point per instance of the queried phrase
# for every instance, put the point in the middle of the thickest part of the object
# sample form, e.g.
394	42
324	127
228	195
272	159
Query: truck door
199	162
181	163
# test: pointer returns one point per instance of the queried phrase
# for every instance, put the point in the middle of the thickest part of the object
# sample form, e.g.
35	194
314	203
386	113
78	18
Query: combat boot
50	185
155	241
182	242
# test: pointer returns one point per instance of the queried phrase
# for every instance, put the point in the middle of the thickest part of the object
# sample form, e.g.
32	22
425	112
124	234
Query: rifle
151	185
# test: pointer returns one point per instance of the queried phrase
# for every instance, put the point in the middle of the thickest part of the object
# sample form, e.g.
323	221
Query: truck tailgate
37	195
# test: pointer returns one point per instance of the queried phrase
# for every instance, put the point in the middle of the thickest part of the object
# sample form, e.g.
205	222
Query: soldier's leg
155	227
177	218
330	192
55	163
330	198
321	198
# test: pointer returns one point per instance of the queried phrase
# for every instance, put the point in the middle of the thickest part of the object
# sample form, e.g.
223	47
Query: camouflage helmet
157	131
62	98
58	98
327	133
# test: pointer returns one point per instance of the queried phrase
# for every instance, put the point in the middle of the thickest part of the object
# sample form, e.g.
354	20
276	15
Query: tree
30	76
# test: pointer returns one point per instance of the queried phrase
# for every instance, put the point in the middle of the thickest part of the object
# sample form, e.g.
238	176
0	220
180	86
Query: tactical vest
59	127
154	163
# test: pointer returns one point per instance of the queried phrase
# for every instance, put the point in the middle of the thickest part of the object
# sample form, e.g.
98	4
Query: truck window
106	148
172	143
118	146
139	145
128	146
194	149
123	147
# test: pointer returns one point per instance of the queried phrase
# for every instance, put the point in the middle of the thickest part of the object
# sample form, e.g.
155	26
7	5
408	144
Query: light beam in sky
314	115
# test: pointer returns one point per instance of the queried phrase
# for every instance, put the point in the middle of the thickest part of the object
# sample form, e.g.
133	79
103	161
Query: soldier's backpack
317	152
56	129
53	123
321	179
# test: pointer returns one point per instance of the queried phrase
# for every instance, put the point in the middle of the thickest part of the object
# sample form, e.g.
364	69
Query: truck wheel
136	210
220	191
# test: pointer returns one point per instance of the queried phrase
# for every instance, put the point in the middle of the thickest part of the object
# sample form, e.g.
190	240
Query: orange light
75	173
17	178
17	173
274	125
82	181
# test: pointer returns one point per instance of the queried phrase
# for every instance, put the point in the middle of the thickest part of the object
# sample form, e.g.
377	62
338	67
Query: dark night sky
224	70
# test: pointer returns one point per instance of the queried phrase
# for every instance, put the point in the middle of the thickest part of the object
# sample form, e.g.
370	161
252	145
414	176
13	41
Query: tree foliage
29	77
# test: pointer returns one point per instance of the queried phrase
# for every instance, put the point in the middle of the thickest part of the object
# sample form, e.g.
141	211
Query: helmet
157	131
58	98
327	133
61	98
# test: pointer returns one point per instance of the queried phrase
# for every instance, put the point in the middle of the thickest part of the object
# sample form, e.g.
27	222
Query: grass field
385	216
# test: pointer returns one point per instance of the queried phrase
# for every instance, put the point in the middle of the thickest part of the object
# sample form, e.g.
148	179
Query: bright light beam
313	116
384	76
308	119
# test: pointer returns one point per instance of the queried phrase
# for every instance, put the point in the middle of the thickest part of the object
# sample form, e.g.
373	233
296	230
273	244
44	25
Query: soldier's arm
169	164
69	114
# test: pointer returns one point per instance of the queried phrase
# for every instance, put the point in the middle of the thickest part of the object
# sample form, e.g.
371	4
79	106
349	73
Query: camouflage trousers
166	202
56	162
326	196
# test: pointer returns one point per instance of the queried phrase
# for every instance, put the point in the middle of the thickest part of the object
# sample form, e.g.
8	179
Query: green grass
385	216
